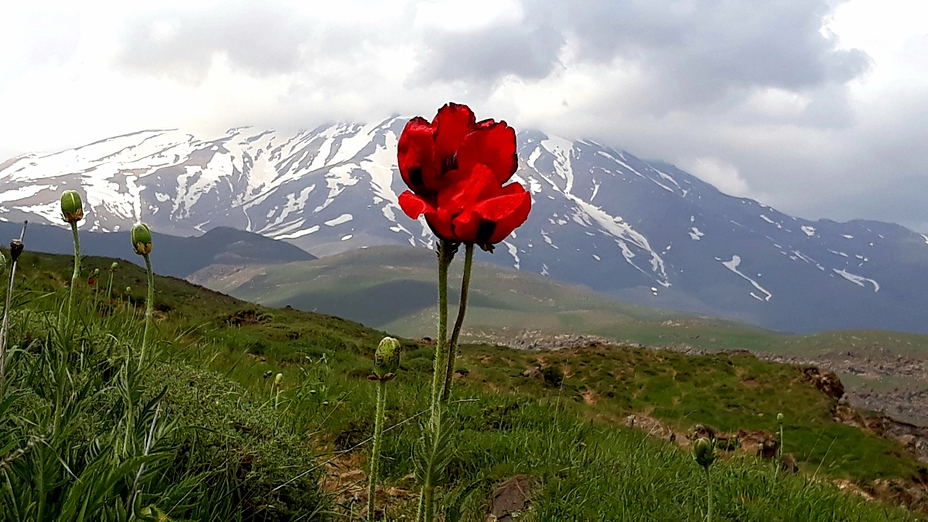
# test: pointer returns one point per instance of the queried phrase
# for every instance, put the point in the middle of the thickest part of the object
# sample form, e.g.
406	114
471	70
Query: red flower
427	152
90	281
455	168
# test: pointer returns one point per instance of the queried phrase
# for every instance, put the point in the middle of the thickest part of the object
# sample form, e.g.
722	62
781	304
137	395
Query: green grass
223	451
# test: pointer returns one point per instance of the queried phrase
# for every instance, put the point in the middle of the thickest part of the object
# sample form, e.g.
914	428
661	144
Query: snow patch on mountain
342	219
857	280
733	265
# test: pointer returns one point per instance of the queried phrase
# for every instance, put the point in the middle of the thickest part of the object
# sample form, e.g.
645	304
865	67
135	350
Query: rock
825	381
511	497
533	373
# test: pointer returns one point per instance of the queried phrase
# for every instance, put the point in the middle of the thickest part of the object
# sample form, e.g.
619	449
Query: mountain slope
172	255
645	232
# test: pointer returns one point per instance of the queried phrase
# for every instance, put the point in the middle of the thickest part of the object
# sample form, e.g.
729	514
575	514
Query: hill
573	400
175	256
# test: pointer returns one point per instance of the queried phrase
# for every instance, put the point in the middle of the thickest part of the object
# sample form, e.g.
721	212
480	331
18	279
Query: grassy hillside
234	446
394	288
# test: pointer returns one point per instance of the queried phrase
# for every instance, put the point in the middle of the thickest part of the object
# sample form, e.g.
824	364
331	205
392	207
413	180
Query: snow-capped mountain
642	231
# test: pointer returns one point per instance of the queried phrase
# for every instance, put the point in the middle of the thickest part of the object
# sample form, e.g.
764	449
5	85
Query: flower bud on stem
16	249
141	243
386	364
72	211
704	453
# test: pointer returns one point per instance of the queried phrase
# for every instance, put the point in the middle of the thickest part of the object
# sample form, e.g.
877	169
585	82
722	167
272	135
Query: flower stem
446	250
375	453
109	288
149	307
445	254
77	267
5	328
709	492
458	323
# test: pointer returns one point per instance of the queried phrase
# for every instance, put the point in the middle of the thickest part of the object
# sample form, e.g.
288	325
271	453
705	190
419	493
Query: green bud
141	239
114	266
780	418
277	378
72	208
387	358
704	452
128	290
96	272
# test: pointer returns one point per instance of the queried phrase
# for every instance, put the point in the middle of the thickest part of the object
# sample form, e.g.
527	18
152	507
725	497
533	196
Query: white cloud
808	104
724	176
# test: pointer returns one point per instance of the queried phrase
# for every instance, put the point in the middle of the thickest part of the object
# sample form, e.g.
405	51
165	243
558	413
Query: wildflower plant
704	454
780	441
16	249
141	243
72	211
386	364
109	283
456	169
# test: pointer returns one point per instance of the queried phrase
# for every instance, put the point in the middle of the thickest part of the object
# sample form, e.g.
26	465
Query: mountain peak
643	231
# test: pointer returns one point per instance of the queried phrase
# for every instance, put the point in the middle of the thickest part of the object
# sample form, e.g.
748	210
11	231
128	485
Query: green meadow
200	431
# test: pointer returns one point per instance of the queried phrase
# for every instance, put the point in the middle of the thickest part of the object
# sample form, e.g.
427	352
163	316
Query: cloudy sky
817	107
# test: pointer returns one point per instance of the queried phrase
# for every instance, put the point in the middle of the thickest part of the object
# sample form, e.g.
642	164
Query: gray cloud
529	51
691	53
260	38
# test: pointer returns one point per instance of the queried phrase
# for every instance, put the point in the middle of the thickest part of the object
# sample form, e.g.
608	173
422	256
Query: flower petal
492	144
466	188
415	154
451	124
466	226
508	212
413	205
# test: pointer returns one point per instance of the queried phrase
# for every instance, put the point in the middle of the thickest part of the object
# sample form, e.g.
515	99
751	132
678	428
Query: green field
228	445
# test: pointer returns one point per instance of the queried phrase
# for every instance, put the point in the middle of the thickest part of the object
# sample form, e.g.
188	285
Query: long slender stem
77	267
375	453
109	288
5	328
426	511
459	322
445	253
709	492
149	307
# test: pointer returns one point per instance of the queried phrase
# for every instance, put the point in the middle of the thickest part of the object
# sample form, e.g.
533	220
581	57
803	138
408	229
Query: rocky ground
905	397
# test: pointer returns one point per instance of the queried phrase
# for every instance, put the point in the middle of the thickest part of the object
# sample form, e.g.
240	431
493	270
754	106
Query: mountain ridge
644	232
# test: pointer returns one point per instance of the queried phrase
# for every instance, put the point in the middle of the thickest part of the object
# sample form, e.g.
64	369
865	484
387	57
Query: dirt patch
511	498
589	397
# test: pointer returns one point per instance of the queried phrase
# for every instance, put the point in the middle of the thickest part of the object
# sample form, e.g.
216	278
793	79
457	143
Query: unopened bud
96	272
128	290
16	248
780	418
114	266
277	378
387	358
704	452
72	208
141	239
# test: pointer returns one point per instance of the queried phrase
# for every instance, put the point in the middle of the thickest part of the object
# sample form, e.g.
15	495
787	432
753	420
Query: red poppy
90	281
456	168
454	140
